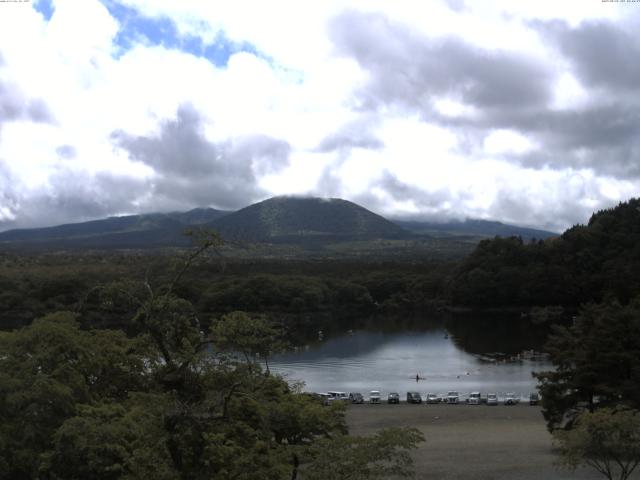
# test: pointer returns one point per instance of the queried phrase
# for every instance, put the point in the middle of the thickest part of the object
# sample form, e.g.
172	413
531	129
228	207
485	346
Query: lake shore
472	442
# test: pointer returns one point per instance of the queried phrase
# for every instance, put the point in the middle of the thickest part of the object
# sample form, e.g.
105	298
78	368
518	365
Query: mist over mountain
481	228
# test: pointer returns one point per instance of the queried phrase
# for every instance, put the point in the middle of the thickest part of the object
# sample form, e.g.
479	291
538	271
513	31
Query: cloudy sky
525	112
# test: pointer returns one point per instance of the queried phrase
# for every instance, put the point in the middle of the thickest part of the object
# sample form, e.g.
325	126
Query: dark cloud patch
439	204
8	196
601	136
409	69
508	90
330	183
356	134
569	206
15	106
603	54
267	155
456	5
192	170
66	151
69	197
557	214
433	204
74	196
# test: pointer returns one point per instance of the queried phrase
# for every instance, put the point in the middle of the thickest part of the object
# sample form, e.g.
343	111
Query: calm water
481	356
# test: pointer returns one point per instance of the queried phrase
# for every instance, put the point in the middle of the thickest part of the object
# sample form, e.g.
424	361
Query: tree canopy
597	362
607	440
172	400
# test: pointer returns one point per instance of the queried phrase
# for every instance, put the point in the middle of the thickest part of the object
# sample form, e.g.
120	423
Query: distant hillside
132	231
292	226
480	228
587	263
298	219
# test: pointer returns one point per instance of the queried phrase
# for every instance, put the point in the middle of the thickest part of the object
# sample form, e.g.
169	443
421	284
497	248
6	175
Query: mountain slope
305	222
305	218
126	227
481	228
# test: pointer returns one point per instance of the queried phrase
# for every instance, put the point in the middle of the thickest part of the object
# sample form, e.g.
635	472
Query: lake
464	354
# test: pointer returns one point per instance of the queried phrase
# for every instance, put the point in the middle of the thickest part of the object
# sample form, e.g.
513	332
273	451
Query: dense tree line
587	263
298	293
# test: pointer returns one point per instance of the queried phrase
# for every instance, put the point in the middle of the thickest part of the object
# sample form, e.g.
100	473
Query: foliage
112	441
47	371
597	363
585	264
174	399
607	440
384	455
299	295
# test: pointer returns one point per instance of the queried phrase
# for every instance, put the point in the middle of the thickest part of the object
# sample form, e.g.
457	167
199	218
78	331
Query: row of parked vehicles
452	397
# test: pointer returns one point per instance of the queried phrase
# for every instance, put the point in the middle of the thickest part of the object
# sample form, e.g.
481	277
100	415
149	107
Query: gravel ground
472	441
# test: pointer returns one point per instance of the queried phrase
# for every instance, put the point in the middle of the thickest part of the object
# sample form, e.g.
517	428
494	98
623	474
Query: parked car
510	399
324	398
492	399
338	396
414	397
534	398
374	396
474	398
433	398
356	397
453	397
393	397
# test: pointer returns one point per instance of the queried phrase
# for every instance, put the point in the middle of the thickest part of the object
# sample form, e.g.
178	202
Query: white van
340	396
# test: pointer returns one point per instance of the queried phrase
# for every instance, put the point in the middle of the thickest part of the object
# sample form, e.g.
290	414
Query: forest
138	365
587	263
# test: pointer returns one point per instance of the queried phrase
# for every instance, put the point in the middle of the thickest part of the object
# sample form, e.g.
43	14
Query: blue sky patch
135	27
45	7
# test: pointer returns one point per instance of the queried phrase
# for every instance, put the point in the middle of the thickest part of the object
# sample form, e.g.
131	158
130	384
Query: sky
523	112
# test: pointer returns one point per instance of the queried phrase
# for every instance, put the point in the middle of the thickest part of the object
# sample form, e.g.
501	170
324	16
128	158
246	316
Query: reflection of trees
396	324
482	334
472	333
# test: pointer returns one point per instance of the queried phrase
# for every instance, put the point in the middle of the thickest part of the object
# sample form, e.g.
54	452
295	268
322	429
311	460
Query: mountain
480	228
302	219
131	231
304	223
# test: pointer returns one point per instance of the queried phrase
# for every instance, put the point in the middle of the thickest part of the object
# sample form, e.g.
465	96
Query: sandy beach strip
476	442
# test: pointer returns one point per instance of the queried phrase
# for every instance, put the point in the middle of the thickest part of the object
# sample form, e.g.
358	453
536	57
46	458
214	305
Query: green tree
254	338
597	362
49	369
171	401
113	441
606	440
383	455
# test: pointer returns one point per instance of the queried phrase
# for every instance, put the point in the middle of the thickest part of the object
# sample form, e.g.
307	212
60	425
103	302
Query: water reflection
450	354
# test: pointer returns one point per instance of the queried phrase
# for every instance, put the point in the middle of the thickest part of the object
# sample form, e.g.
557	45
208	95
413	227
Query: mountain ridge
284	220
289	217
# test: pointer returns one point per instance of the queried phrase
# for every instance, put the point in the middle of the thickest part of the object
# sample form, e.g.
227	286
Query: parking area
471	442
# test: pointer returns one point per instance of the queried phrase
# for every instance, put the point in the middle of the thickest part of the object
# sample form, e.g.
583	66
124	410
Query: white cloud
507	141
297	87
